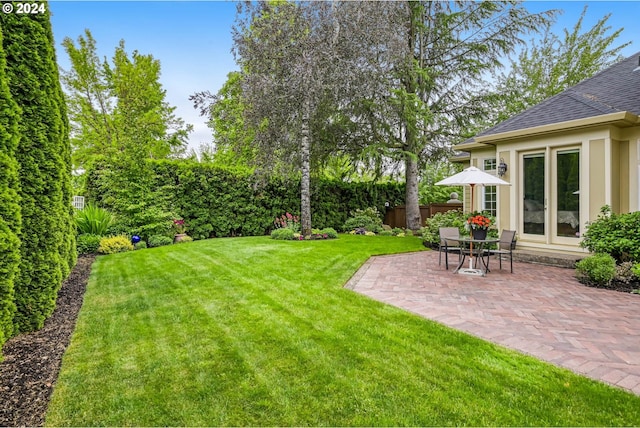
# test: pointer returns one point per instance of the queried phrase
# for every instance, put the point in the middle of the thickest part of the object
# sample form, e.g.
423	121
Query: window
489	193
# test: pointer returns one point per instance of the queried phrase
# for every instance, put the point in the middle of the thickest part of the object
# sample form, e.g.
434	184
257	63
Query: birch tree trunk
413	217
305	158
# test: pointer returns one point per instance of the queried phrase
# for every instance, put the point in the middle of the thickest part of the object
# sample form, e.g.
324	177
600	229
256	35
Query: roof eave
621	119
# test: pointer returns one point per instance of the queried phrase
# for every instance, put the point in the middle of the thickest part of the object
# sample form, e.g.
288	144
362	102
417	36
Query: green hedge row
9	206
43	225
215	202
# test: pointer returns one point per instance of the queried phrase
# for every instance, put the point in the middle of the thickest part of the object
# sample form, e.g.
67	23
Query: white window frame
490	193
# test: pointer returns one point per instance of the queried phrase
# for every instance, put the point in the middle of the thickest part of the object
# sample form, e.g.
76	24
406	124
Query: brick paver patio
538	310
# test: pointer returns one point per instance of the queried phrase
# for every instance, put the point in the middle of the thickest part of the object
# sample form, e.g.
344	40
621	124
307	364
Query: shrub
160	240
115	244
283	234
47	231
330	232
216	201
288	221
93	220
625	274
614	234
140	245
599	269
396	231
636	270
88	243
431	231
368	219
385	233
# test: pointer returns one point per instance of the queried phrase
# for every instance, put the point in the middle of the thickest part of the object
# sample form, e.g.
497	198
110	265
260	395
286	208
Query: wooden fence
397	216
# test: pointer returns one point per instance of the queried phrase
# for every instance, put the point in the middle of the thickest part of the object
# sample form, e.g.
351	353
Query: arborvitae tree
9	205
44	171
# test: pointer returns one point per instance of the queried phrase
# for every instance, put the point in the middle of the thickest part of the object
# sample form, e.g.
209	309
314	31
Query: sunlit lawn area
252	331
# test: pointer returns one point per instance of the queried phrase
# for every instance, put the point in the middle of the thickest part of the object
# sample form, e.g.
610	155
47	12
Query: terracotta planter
179	237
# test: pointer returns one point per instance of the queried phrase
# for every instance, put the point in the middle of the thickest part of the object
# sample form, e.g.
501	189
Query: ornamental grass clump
93	220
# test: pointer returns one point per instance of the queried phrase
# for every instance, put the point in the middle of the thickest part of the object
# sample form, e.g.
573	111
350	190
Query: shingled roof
615	89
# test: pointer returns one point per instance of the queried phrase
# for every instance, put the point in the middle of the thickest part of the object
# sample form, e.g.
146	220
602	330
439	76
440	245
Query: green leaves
119	107
554	63
93	220
43	155
217	202
615	234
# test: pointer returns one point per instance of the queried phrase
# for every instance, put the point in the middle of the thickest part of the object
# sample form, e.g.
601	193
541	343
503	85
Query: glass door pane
568	191
534	196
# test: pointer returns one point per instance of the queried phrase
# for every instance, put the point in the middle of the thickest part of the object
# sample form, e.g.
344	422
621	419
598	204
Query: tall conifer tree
43	156
9	203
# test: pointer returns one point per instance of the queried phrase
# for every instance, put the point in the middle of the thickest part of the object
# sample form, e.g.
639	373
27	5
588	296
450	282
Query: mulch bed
624	287
32	361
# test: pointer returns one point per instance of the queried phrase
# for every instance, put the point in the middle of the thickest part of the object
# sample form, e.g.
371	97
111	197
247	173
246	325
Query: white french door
550	195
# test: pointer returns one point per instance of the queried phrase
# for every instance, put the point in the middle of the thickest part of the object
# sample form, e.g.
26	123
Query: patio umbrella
471	177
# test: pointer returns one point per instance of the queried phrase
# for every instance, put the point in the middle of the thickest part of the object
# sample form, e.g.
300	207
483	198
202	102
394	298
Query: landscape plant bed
625	287
31	361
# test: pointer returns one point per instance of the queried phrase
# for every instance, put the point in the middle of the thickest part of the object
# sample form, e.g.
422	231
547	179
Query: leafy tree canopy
554	63
119	106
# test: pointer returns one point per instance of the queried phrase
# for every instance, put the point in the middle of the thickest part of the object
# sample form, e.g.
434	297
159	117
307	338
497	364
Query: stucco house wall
601	136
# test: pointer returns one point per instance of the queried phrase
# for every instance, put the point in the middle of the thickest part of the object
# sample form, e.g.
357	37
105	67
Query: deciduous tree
119	107
552	64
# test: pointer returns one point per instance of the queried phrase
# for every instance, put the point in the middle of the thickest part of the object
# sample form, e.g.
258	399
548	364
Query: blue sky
192	39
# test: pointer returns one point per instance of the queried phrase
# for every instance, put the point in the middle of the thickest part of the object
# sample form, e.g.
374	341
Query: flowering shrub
179	226
478	221
288	221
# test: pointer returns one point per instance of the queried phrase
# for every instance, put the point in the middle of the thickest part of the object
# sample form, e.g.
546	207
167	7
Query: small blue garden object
135	239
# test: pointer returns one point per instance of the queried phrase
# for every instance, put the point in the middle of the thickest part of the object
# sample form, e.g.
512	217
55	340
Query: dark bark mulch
624	287
32	361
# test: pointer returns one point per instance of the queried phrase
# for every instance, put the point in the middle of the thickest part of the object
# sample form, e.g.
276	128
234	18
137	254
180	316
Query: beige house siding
598	175
597	178
504	195
609	175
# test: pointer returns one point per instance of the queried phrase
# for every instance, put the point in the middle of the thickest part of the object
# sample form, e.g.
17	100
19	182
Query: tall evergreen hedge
9	203
216	202
44	170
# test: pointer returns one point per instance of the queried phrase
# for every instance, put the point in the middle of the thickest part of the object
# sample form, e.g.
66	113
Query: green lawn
252	331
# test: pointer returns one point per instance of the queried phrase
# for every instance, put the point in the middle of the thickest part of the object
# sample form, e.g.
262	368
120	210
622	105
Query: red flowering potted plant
479	224
181	230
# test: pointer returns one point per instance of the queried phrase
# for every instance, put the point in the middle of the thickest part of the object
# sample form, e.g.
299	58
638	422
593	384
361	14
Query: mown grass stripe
250	331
